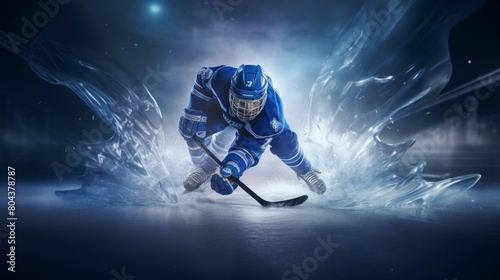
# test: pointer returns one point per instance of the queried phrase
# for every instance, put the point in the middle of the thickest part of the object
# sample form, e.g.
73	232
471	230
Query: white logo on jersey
276	125
206	73
249	84
231	122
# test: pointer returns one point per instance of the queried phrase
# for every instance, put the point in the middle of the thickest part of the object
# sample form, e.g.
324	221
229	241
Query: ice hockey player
245	99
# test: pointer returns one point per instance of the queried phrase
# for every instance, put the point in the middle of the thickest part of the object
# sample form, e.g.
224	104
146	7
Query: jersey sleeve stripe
196	92
244	155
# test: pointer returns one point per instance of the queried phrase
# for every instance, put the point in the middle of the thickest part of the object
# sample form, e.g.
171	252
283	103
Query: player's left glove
221	183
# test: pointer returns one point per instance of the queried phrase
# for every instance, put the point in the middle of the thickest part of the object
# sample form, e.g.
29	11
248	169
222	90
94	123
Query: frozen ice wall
130	167
388	56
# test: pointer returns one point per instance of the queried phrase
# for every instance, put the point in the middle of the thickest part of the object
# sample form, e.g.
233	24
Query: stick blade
287	203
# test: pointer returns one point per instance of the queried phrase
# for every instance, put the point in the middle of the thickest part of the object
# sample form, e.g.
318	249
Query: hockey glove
221	183
193	122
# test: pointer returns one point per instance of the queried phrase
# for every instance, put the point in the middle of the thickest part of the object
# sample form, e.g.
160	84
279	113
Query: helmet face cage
244	109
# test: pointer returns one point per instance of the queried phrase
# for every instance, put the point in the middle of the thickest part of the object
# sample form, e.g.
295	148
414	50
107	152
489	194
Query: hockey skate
313	181
195	179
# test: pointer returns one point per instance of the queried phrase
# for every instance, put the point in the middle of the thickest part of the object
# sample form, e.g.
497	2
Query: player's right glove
222	183
193	122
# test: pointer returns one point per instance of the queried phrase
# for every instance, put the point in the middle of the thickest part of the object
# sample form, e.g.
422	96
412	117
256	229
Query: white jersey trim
209	86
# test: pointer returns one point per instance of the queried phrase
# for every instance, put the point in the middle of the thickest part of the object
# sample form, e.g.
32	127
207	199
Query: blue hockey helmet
248	92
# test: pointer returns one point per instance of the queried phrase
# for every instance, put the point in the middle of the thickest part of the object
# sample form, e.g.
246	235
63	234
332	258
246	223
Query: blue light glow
155	8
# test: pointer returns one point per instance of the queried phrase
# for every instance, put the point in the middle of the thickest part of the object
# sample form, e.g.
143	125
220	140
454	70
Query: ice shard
130	167
390	55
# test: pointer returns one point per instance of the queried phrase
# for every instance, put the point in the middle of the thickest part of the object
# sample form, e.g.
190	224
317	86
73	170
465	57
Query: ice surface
196	239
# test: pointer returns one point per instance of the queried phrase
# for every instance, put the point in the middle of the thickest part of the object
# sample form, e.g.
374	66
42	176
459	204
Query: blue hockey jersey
210	94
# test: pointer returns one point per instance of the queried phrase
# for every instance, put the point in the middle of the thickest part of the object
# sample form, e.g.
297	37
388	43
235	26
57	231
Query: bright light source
155	8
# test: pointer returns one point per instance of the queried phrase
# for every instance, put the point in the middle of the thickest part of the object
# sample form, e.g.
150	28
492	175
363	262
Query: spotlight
154	8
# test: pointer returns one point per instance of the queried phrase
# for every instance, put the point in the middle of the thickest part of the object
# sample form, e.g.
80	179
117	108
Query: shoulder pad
205	73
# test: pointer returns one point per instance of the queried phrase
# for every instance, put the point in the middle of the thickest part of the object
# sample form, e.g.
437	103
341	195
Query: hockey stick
285	203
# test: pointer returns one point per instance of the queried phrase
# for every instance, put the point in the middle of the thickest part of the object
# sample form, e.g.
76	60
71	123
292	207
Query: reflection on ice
389	56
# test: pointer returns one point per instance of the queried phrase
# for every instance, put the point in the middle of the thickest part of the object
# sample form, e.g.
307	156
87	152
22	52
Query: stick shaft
232	178
289	202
